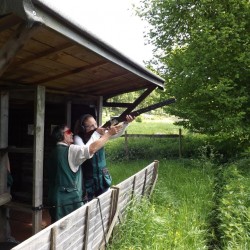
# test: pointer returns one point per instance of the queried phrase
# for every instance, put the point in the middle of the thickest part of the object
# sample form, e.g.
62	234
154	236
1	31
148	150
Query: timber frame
49	59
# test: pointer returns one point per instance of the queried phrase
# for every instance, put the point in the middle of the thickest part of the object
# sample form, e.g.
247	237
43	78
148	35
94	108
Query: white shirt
79	153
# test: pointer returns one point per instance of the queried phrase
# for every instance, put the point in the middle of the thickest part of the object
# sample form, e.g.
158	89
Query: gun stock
122	118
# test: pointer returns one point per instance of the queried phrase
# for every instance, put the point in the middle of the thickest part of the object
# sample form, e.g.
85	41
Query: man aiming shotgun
96	177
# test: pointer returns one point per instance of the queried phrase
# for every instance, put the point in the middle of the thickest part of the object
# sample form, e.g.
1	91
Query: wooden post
114	214
99	110
4	116
145	181
133	188
155	177
180	143
4	119
86	230
38	158
126	144
53	238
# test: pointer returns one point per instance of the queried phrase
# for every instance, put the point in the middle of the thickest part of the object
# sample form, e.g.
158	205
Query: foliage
138	119
196	203
154	148
203	52
230	218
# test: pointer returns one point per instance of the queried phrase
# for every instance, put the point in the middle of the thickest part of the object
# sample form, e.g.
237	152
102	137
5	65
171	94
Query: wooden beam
121	86
20	207
15	43
38	158
104	82
138	100
9	21
113	92
116	104
20	91
42	54
68	73
4	160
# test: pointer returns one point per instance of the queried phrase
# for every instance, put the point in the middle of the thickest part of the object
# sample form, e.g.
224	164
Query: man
65	179
96	177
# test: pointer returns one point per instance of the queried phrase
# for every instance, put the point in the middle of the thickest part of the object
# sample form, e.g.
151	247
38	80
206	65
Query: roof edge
97	40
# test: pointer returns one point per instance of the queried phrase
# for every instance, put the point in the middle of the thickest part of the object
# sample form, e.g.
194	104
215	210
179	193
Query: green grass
176	216
122	170
191	207
153	127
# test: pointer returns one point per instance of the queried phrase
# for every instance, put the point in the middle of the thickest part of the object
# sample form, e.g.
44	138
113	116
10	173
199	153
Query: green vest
65	186
96	177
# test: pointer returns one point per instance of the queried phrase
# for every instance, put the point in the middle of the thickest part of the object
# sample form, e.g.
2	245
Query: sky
114	22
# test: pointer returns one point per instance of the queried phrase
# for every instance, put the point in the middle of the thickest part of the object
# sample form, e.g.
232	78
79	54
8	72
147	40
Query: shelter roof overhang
42	46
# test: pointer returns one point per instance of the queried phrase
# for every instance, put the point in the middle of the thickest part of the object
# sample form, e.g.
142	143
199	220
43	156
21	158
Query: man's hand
129	118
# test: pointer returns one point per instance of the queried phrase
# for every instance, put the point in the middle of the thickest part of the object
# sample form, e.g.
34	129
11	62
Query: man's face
68	136
90	124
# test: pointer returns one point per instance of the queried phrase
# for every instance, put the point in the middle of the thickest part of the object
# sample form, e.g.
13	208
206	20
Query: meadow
197	203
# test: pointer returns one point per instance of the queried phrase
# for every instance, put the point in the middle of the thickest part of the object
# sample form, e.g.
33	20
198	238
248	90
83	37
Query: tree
203	52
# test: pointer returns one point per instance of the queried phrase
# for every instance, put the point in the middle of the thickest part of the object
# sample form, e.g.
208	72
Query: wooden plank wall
90	226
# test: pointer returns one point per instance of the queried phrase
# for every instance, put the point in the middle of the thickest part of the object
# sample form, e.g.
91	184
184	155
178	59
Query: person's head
85	124
62	133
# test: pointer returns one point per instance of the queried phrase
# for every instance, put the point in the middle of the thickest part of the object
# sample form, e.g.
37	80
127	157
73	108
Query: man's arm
123	125
96	145
79	154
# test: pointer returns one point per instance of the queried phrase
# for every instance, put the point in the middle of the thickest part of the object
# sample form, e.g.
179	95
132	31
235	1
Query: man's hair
79	125
57	133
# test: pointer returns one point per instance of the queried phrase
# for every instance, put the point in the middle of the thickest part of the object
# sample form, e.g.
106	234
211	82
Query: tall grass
176	216
192	207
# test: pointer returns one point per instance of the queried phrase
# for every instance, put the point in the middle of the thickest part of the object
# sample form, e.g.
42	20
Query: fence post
180	143
86	229
155	177
126	144
53	238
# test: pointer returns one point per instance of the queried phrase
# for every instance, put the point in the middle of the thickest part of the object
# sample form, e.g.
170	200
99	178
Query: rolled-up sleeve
77	155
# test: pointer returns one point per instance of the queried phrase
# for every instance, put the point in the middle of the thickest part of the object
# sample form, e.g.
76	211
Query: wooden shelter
52	70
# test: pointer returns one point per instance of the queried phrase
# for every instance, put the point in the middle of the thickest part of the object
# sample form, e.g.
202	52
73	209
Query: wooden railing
179	136
91	226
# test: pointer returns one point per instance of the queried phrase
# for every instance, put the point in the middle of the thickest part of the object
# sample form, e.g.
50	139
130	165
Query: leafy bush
154	148
230	218
138	119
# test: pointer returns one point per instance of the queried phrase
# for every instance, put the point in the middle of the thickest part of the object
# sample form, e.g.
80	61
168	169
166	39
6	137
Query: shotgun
122	118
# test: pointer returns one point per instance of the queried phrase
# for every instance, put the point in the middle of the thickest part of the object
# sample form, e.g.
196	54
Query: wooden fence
179	136
91	226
